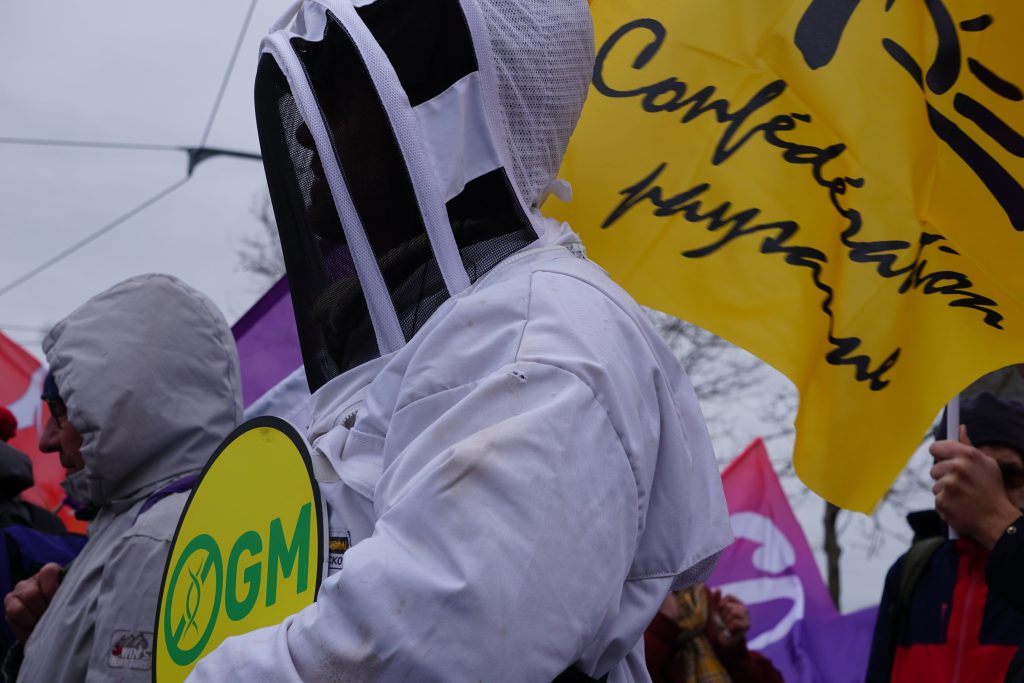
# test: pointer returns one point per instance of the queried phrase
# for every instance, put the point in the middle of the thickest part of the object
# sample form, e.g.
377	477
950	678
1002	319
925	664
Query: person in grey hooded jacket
148	375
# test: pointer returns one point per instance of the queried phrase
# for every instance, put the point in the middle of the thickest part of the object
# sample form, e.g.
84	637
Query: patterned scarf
694	657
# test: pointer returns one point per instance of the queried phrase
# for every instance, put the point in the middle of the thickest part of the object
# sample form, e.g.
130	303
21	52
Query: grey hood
149	373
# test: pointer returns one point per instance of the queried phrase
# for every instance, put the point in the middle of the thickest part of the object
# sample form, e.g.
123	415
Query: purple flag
268	343
771	568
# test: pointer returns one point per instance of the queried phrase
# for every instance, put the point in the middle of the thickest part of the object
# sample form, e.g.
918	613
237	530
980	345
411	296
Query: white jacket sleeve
507	522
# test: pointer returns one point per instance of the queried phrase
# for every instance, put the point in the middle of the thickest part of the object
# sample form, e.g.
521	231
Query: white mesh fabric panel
698	573
409	136
385	320
543	54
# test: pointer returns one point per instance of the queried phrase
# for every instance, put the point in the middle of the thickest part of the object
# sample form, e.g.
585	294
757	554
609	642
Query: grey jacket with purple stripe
149	373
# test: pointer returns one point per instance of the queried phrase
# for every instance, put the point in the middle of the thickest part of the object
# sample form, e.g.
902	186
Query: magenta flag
771	568
268	343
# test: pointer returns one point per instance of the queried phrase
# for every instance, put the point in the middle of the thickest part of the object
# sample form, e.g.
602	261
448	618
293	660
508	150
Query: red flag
21	383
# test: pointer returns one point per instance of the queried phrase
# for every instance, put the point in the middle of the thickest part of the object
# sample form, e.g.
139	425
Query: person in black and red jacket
953	610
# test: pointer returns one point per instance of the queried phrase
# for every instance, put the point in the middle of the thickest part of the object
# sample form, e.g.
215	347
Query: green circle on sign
240	561
197	576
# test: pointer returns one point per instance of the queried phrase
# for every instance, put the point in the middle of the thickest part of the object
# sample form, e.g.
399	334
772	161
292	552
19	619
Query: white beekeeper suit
517	460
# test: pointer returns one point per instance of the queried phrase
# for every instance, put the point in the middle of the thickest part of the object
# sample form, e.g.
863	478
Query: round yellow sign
249	548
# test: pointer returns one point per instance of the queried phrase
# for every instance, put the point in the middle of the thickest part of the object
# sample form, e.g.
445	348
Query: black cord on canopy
227	74
195	156
91	145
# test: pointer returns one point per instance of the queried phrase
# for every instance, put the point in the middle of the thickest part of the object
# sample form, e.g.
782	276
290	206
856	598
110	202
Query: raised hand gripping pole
953	434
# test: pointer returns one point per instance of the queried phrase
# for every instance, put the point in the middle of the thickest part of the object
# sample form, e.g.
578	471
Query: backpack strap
918	557
914	563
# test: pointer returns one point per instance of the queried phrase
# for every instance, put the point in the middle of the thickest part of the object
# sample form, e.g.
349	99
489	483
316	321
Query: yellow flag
248	551
834	185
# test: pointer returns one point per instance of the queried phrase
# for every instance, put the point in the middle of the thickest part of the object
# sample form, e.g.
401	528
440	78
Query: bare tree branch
262	256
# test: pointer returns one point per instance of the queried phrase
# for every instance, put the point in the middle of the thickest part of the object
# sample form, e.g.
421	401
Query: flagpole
953	419
953	434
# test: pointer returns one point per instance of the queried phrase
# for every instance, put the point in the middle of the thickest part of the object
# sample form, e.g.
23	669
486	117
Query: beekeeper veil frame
408	144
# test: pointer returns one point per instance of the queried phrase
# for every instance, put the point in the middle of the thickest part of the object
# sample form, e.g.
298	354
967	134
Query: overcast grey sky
125	72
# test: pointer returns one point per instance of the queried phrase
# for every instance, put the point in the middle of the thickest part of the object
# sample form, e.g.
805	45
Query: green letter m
281	556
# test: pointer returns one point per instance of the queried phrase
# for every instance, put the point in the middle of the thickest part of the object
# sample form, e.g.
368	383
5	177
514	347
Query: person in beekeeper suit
516	460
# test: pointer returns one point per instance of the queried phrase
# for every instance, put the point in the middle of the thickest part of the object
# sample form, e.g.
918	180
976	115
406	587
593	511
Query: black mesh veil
359	178
330	309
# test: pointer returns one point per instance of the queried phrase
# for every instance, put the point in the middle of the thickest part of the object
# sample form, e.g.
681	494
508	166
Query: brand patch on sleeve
131	650
336	548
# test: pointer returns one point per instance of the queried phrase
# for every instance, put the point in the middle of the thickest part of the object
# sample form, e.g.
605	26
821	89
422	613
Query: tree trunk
832	551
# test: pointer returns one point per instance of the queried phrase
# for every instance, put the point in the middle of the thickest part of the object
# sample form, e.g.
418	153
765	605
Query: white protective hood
149	373
408	144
